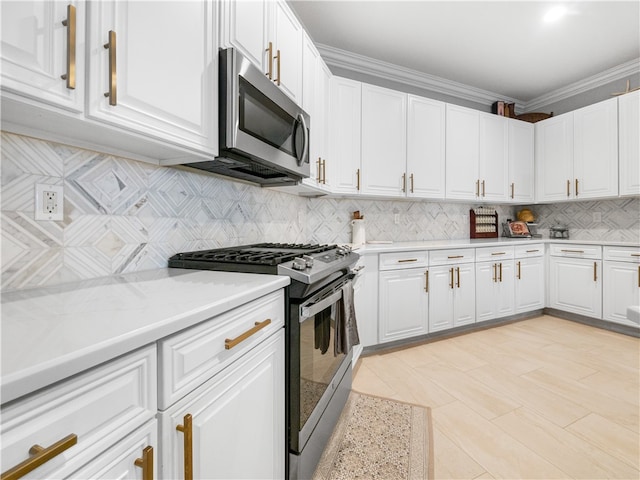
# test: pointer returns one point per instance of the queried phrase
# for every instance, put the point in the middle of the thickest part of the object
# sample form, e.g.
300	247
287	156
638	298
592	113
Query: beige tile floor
541	398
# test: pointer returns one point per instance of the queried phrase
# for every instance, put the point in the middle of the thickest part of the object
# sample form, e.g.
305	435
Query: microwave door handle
304	156
315	308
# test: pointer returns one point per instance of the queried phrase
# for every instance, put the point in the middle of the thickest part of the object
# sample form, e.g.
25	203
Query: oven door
315	368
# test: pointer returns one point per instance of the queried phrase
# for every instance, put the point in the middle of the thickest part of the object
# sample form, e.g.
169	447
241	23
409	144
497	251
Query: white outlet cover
40	212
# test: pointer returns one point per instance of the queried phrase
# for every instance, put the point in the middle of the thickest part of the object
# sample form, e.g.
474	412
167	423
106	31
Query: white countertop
48	334
372	248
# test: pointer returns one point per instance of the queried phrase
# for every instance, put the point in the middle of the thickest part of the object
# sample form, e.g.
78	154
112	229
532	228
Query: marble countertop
51	333
375	247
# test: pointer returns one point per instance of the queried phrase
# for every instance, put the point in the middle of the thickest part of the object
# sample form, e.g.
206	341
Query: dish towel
322	331
346	326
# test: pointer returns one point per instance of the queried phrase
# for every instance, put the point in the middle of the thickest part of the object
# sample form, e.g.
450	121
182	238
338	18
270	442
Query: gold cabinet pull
40	456
500	272
595	271
411	181
404	183
458	273
451	274
426	281
455	256
279	57
478	188
112	94
519	271
568	188
483	188
324	172
358	179
70	23
232	342
513	188
408	260
495	273
499	253
635	254
269	50
146	463
572	251
187	429
576	187
533	251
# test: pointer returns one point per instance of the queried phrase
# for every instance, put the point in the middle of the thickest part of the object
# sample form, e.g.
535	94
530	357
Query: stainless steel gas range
318	370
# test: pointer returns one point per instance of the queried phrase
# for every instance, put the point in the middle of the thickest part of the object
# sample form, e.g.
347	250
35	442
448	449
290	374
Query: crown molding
622	71
388	71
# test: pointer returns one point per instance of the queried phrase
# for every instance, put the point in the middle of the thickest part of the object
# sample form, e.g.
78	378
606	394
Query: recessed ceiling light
555	14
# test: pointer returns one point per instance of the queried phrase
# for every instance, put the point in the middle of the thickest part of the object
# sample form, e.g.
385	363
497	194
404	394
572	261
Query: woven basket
534	117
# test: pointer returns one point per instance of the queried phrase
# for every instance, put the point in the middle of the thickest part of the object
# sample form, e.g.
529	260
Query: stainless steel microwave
264	134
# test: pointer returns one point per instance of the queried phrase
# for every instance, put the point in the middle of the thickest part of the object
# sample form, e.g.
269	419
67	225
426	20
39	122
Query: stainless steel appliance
318	374
263	134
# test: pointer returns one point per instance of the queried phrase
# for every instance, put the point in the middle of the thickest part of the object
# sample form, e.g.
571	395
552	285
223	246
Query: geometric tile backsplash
122	215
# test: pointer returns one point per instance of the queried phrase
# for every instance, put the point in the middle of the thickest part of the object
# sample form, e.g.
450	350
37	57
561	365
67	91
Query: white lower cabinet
575	279
452	296
494	290
404	304
233	426
621	283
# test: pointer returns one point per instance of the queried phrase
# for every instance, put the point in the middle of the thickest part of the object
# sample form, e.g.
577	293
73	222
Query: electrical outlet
49	202
396	218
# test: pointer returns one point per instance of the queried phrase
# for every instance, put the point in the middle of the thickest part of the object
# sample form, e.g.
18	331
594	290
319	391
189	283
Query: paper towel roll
357	232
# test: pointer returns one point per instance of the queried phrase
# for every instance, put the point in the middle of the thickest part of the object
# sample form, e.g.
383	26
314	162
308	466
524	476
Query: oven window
261	118
318	364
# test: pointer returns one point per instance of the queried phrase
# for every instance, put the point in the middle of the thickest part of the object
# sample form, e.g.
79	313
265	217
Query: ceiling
503	47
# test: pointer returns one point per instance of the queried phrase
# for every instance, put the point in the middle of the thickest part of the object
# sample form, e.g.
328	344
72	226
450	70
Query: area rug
379	439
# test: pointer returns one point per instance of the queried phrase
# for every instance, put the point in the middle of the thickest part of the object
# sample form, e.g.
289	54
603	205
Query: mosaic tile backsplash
123	216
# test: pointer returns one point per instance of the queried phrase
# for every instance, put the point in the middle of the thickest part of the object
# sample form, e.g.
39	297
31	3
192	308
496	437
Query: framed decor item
517	229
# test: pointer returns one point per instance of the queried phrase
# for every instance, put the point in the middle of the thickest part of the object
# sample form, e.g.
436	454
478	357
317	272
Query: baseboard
594	322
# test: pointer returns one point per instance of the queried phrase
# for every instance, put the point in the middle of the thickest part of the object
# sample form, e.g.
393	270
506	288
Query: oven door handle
314	308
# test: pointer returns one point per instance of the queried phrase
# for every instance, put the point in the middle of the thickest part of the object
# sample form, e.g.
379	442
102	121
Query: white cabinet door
596	150
403	304
366	309
629	143
621	289
464	305
575	285
529	284
441	297
462	153
384	141
494	157
245	26
35	51
287	35
521	166
164	78
425	148
341	171
494	290
238	421
554	158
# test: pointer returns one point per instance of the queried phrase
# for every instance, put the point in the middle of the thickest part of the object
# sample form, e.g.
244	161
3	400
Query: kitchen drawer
100	407
447	257
534	250
575	251
401	260
189	358
488	254
622	254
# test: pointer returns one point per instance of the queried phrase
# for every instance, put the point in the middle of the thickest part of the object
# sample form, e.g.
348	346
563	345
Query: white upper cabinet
554	158
596	150
267	33
159	69
425	148
38	49
384	141
521	166
629	142
341	171
494	161
462	153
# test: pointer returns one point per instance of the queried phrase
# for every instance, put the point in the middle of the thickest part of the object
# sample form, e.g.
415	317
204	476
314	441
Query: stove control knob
343	250
308	259
299	264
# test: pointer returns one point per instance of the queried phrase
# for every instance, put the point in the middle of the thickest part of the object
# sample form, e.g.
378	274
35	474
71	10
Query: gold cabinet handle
513	188
458	273
112	94
495	273
269	50
426	281
70	23
411	181
499	253
568	188
635	254
358	179
404	183
146	463
232	342
324	172
533	251
40	456
451	274
572	251
478	188
279	57
483	188
595	271
187	429
519	271
500	272
408	260
576	187
455	256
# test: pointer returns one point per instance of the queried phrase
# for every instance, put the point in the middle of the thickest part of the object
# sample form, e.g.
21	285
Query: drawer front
524	251
100	407
447	257
622	254
401	260
576	251
487	254
189	358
